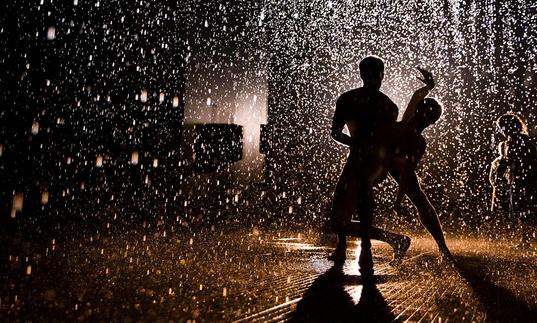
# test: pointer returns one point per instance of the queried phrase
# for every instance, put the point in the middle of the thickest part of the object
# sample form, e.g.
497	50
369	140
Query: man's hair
430	109
371	64
510	123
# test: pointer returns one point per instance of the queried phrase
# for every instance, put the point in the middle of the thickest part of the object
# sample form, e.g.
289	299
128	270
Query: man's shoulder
351	94
361	97
386	99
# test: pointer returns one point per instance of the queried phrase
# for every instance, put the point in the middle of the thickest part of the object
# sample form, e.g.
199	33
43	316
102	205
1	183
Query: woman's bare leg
426	212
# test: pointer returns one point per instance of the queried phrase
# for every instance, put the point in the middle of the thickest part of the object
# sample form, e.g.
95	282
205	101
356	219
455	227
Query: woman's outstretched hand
427	77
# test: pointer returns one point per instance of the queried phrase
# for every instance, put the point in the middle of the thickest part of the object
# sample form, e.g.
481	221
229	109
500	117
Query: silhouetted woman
405	147
521	158
500	180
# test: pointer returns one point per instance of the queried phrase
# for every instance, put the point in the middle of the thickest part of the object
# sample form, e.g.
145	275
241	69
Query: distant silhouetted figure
405	148
521	156
365	111
500	180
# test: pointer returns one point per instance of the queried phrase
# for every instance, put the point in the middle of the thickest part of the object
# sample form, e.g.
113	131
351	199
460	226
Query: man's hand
427	78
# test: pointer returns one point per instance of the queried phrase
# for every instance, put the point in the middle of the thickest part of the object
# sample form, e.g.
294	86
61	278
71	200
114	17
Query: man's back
365	113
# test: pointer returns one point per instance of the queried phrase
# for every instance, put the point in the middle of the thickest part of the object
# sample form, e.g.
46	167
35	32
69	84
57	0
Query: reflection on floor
259	276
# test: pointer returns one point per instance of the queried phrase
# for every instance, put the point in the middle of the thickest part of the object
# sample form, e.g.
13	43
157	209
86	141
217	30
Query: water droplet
44	197
51	33
134	158
143	96
35	128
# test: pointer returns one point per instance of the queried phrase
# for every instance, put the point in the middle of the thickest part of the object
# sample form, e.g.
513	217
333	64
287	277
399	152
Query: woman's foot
446	257
399	250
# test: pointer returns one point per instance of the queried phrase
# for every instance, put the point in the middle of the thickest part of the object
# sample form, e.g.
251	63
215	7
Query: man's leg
344	227
342	209
346	201
400	243
365	207
372	173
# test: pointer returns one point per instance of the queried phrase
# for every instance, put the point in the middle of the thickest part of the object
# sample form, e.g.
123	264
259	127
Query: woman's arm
493	172
419	95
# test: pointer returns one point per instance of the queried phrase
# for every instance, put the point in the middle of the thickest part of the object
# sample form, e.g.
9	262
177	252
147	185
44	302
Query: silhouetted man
365	112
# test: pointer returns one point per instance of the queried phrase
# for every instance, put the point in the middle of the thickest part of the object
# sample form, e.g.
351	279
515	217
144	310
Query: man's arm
338	123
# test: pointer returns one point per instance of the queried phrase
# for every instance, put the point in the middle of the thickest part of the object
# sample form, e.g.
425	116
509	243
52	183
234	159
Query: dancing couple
380	145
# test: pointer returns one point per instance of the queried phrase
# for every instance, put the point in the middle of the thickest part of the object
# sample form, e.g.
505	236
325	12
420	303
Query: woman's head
511	124
428	112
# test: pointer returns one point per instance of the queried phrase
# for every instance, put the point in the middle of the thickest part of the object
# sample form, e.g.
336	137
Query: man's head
428	112
372	72
511	124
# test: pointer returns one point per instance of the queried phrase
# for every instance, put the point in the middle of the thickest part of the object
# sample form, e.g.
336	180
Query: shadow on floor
327	301
500	304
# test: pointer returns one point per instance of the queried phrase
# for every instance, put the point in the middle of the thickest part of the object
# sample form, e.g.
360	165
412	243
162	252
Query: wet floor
262	276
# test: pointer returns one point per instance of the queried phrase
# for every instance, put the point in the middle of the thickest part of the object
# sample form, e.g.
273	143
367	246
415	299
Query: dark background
106	82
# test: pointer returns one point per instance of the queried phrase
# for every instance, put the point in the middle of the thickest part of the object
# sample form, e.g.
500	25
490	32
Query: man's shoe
365	262
338	255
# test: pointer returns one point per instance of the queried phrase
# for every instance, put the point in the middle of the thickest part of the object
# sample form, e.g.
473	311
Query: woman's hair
429	110
511	124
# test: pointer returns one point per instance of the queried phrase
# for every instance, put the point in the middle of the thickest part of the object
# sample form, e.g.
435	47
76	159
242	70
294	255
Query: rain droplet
35	128
18	201
44	197
51	33
134	158
143	96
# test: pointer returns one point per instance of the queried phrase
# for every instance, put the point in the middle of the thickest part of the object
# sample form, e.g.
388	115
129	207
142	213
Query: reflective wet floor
262	276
